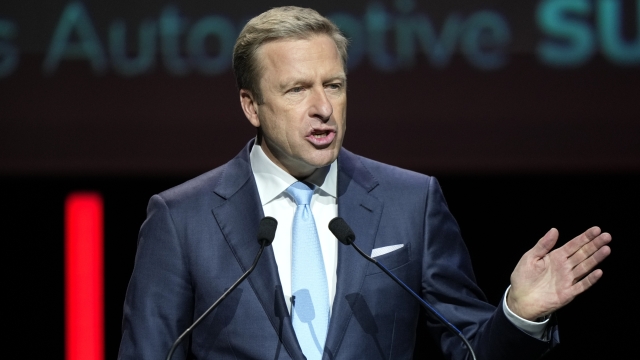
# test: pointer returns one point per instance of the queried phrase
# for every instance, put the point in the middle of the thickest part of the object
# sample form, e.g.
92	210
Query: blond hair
287	22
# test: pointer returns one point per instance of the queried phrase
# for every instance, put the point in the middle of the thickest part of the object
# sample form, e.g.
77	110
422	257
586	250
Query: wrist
520	308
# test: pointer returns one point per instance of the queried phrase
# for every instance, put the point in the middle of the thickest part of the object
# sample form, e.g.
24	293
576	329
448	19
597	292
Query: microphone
345	235
266	233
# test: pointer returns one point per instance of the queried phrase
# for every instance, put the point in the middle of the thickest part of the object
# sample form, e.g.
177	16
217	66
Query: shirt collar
272	180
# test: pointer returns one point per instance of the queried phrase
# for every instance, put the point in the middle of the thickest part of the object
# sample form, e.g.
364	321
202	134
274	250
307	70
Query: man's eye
334	86
296	89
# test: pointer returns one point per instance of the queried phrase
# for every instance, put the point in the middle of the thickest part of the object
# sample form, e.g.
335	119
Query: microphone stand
268	225
430	309
345	235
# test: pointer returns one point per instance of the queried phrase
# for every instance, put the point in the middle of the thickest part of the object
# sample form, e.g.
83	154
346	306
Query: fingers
579	241
588	281
588	249
545	244
590	262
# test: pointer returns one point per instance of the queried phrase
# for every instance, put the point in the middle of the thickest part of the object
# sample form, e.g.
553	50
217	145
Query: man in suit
199	237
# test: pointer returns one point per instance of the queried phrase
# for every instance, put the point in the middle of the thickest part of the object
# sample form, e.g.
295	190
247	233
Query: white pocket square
385	250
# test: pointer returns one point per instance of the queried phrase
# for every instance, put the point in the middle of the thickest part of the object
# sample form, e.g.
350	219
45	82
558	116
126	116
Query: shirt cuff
533	328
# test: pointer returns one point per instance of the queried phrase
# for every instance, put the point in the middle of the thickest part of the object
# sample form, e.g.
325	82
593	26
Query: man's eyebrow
289	82
340	77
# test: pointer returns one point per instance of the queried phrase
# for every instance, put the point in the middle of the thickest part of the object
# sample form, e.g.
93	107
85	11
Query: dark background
501	217
518	150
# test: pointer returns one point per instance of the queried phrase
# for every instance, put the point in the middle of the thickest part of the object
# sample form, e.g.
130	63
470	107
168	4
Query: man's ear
249	107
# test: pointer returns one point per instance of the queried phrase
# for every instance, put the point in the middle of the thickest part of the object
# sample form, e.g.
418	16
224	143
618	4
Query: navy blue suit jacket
200	237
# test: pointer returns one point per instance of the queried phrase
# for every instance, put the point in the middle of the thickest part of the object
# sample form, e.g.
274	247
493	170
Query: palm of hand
544	280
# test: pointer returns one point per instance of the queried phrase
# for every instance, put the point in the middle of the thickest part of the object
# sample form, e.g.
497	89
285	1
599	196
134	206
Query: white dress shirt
272	182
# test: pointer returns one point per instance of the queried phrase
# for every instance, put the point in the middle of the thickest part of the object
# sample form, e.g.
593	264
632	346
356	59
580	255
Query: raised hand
544	280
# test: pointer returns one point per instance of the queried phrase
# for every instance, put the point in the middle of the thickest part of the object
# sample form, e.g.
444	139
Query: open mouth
321	137
320	134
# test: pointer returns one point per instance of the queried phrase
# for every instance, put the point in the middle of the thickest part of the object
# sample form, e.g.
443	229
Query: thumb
545	244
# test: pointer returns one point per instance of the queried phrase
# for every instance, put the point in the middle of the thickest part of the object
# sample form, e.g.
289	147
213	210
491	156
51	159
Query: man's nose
321	107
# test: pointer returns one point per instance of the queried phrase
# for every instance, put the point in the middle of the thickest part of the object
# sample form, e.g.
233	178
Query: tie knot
301	193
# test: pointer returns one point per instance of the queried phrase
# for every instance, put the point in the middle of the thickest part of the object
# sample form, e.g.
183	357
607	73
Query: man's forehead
284	55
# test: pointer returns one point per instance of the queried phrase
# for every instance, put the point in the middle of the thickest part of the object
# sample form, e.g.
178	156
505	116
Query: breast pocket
392	260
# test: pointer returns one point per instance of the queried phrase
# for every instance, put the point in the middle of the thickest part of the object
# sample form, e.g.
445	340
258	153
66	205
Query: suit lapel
238	216
362	211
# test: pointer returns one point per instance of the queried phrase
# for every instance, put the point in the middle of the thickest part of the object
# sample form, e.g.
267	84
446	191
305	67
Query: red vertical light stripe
84	281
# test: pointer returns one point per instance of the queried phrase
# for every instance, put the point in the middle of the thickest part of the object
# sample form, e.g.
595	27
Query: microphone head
267	230
342	231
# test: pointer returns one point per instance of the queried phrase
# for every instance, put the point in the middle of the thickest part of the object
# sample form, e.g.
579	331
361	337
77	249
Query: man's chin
326	157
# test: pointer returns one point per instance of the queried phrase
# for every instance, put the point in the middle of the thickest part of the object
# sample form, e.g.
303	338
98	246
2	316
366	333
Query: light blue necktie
310	314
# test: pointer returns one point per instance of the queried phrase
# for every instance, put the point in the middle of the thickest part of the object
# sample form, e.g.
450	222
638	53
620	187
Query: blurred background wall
527	112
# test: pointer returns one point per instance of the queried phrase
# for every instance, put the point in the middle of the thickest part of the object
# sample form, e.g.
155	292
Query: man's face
303	116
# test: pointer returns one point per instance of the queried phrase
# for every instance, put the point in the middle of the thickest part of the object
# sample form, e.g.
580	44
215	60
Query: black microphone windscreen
267	230
342	231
